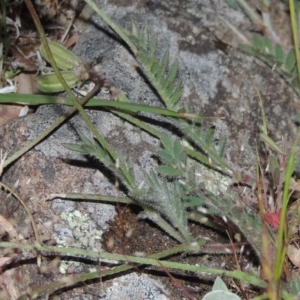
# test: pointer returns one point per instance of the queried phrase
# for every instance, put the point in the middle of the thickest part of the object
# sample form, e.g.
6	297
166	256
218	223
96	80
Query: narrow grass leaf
270	142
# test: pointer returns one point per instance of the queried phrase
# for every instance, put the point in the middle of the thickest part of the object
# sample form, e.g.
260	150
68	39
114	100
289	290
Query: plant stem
144	261
295	35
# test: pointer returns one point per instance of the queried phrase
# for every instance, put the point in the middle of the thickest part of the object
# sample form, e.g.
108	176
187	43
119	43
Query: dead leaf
4	261
8	228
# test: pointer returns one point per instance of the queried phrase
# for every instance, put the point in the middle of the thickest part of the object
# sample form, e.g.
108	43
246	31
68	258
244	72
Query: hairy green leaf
191	201
75	147
168	171
258	43
269	47
166	156
290	61
279	54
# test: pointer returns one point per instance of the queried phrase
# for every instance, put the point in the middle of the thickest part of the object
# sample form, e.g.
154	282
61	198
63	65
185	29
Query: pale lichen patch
81	234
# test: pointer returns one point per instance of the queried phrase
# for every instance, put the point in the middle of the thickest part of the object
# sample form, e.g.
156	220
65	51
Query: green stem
282	234
251	13
91	197
144	261
158	220
93	275
295	34
95	102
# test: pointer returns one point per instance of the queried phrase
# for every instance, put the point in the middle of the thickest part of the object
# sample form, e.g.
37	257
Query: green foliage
98	151
233	4
158	71
275	57
65	60
294	286
156	192
204	141
220	292
173	186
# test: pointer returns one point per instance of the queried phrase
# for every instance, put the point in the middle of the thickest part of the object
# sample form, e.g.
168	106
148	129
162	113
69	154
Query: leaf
9	228
279	53
64	58
175	97
222	147
49	83
169	171
220	295
153	47
219	284
248	49
270	142
269	47
134	30
166	141
274	169
171	76
145	37
74	147
258	43
273	219
165	156
233	4
210	135
170	90
85	140
191	201
163	65
88	149
177	148
290	61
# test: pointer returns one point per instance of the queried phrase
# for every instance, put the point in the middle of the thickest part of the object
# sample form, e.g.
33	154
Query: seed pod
64	58
49	83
